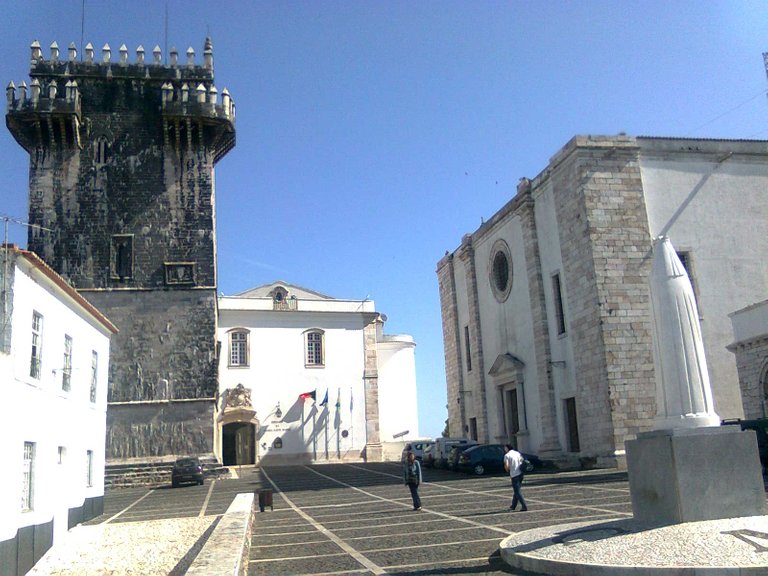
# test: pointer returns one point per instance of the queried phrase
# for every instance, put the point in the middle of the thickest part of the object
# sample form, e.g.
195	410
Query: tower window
101	150
557	295
122	257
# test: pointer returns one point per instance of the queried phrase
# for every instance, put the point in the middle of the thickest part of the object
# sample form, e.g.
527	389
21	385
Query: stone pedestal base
688	475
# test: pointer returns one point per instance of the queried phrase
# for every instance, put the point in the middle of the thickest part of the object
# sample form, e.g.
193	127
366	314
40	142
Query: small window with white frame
94	374
66	371
315	348
89	468
36	356
239	348
28	483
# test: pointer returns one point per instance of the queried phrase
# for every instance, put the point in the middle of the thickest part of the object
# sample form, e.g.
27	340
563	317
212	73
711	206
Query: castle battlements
61	78
59	90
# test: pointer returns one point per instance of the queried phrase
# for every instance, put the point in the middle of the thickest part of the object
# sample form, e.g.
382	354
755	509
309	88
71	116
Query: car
485	458
439	452
760	427
417	447
455	453
188	469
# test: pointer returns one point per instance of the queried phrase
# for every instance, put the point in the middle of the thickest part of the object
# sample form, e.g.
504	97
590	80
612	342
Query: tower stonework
121	186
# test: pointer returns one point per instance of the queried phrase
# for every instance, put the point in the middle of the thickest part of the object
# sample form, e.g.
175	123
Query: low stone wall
226	551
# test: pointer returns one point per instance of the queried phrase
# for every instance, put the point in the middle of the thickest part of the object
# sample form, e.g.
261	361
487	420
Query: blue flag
325	400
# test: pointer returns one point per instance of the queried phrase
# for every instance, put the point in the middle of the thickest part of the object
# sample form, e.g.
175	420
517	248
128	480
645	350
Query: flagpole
314	434
327	417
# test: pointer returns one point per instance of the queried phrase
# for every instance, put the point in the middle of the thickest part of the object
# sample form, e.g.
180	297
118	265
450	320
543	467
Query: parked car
760	426
187	470
486	458
417	447
453	455
439	452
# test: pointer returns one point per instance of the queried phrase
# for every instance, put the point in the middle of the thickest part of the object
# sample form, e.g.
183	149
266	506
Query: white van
437	456
417	447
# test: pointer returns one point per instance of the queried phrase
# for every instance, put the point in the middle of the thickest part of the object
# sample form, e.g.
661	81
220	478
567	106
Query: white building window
238	348
66	373
28	483
315	348
89	469
36	356
94	374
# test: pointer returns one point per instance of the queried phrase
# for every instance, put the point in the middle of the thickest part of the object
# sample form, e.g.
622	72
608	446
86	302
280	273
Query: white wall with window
54	354
299	341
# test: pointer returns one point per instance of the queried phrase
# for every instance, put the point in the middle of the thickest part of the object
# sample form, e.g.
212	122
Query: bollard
265	499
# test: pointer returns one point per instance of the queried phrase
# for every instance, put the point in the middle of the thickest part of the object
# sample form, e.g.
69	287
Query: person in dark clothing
412	478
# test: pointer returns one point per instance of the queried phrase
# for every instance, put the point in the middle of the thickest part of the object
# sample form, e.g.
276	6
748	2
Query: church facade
121	201
306	377
545	308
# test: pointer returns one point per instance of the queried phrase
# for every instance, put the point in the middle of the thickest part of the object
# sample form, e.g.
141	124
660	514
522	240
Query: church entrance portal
238	444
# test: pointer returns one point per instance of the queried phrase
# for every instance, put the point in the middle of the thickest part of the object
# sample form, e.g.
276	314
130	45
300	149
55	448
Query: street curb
226	551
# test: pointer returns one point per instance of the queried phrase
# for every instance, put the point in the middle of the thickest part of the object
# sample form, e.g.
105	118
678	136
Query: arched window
315	348
238	347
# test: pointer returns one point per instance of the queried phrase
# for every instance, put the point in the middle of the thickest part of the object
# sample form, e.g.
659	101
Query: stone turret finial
185	93
208	54
106	53
157	55
89	53
72	52
37	51
34	88
53	88
10	93
190	56
226	101
201	92
123	54
54	51
174	56
140	54
22	92
213	95
167	89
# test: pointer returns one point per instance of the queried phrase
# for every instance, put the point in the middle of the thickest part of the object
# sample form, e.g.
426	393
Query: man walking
513	463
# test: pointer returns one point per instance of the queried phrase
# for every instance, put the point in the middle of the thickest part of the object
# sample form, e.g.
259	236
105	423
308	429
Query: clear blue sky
372	135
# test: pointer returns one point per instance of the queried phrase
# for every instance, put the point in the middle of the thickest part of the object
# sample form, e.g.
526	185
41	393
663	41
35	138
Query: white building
54	357
546	309
279	341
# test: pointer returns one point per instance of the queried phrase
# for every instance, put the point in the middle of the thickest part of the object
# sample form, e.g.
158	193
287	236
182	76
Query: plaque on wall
179	273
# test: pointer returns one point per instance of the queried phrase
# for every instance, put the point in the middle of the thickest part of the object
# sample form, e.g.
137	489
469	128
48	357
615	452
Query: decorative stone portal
238	428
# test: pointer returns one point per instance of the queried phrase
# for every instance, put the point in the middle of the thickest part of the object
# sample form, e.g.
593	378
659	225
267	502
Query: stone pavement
732	547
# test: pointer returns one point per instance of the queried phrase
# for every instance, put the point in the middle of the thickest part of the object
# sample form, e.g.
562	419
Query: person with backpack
412	478
514	463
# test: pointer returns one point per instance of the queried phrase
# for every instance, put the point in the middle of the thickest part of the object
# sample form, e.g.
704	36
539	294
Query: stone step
125	475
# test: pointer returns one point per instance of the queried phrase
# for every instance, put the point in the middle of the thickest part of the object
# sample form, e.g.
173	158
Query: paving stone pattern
367	508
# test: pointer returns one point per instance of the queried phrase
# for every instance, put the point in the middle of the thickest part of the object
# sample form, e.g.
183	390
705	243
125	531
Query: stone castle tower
121	185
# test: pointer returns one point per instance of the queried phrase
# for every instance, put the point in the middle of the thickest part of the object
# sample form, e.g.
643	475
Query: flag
351	399
308	395
325	400
338	399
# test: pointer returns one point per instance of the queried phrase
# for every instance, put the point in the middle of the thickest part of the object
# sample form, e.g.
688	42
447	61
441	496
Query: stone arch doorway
238	444
237	427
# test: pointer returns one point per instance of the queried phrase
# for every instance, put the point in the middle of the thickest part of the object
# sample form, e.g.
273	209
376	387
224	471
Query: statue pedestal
689	475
